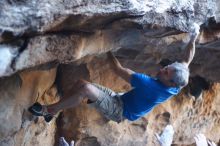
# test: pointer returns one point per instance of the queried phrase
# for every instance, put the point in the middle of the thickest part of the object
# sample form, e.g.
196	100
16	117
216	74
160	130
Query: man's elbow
185	63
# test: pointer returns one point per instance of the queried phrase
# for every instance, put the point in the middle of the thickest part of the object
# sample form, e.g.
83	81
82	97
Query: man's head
174	75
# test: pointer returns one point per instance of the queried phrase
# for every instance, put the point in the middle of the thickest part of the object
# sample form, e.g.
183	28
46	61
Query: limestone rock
37	36
81	28
18	126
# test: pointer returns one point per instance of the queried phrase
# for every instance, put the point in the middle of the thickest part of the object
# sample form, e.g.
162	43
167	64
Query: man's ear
172	84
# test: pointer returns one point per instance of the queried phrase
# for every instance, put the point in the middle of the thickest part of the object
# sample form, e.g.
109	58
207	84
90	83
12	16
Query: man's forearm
190	48
190	52
114	61
124	73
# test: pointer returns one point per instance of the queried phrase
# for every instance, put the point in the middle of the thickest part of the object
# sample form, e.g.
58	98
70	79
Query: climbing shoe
48	117
36	109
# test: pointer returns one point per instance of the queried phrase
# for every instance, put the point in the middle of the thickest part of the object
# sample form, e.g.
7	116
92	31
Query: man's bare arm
190	48
190	52
124	73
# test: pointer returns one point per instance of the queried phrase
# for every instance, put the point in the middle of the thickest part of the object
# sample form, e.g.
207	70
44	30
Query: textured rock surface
118	24
36	36
18	92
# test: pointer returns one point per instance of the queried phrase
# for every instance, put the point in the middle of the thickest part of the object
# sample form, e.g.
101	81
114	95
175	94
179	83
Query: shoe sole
36	109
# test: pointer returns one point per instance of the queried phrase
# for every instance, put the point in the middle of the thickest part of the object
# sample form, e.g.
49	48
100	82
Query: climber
201	140
147	92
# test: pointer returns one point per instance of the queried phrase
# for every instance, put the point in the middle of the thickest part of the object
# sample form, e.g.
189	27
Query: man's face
165	76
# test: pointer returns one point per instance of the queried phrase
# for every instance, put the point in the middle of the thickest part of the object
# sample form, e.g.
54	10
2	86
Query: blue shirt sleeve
138	80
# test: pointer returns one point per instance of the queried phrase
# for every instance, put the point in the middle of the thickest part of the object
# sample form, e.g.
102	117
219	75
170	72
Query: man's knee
88	90
80	83
84	86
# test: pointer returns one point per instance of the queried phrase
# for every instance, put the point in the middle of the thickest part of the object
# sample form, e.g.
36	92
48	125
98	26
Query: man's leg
85	89
103	99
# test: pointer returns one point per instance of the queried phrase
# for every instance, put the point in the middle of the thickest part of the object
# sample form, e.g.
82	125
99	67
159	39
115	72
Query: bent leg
85	89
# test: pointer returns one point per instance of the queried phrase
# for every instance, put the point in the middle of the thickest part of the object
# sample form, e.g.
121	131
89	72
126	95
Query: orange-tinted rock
142	34
18	126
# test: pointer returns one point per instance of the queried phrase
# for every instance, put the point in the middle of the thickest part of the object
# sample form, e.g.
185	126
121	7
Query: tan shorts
109	104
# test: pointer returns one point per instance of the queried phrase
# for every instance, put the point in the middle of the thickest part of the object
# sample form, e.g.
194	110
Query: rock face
17	93
37	36
66	31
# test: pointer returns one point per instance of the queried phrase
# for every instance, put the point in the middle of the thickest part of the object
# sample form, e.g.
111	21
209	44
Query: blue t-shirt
147	92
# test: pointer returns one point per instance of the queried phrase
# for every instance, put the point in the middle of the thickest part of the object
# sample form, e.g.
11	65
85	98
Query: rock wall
18	92
49	44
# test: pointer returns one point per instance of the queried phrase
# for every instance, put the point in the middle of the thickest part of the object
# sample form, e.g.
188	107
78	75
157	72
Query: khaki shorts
109	104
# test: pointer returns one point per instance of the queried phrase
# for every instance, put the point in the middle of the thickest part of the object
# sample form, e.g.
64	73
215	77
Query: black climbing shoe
36	109
48	117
